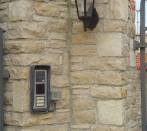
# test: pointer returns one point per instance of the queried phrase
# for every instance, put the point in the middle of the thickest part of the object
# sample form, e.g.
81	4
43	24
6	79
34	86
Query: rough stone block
107	128
106	92
83	50
50	9
83	103
87	116
117	9
21	96
20	10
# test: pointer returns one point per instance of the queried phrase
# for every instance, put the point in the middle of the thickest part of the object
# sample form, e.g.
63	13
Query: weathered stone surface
107	128
28	29
106	92
105	63
83	103
13	118
97	77
55	128
42	119
87	116
83	77
17	73
83	50
84	38
29	46
50	9
81	91
115	26
59	81
117	10
28	59
111	112
20	10
109	44
64	102
21	96
32	119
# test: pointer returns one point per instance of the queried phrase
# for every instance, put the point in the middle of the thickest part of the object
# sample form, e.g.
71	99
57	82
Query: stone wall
92	69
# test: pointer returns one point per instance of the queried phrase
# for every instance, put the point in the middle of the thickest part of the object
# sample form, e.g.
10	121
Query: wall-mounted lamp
87	13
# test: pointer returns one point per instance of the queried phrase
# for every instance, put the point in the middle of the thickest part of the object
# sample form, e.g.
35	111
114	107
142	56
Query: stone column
92	69
103	79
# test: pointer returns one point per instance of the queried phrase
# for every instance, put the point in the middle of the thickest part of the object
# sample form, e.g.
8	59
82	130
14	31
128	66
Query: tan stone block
17	73
38	119
26	46
78	67
107	128
45	119
11	128
111	112
8	98
60	81
20	10
83	50
115	26
81	91
30	130
44	30
110	78
13	118
97	77
21	96
26	30
87	116
117	10
84	38
109	44
4	12
106	92
64	102
104	63
83	103
101	1
28	59
55	128
81	126
50	9
83	77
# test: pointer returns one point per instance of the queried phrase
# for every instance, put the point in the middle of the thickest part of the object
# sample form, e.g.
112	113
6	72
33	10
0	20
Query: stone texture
109	44
108	128
111	112
20	10
106	92
86	116
91	69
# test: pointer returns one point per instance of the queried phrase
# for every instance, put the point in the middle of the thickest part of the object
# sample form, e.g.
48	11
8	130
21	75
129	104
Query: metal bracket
55	96
137	45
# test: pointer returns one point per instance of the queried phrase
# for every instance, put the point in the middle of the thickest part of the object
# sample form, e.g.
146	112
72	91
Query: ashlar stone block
111	112
110	44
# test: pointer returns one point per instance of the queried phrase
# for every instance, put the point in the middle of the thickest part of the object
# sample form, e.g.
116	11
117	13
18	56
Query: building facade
93	70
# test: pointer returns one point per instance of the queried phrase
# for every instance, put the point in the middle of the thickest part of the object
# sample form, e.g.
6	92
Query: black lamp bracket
90	22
